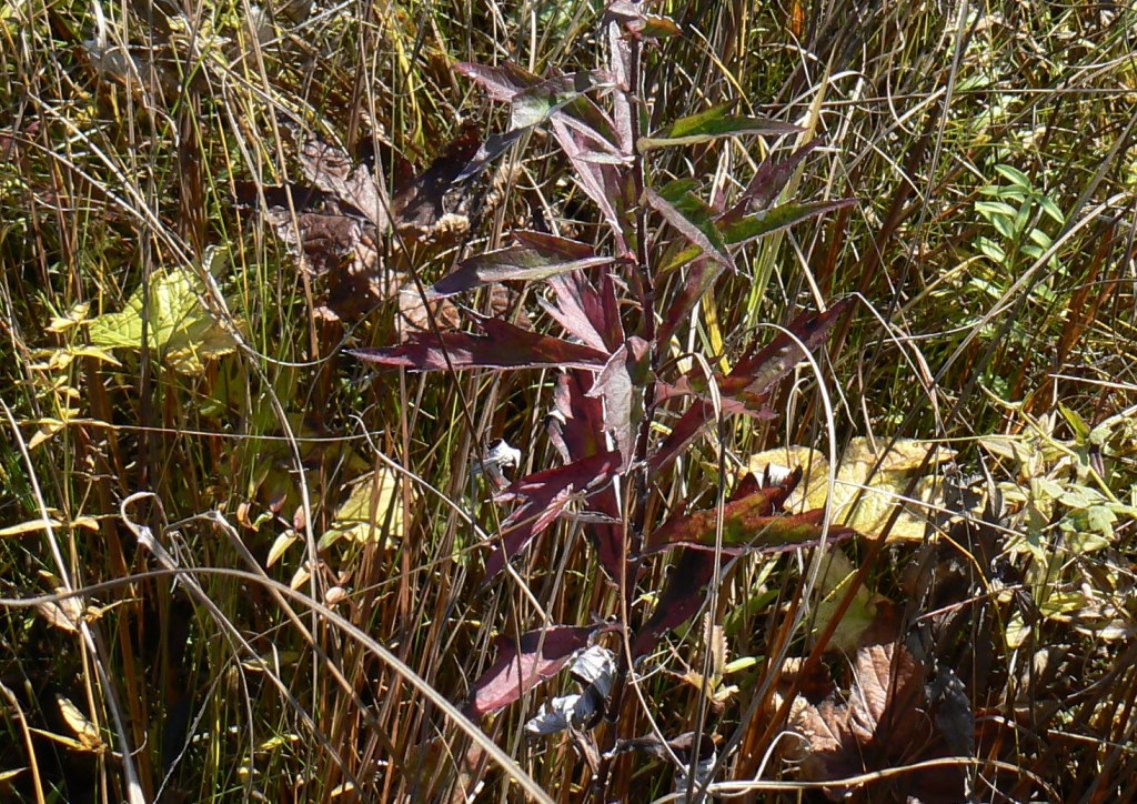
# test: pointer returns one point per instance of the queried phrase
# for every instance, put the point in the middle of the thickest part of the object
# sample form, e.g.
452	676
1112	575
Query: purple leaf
578	427
579	418
683	595
546	494
700	278
621	383
680	599
607	538
753	378
745	529
504	346
602	183
750	533
501	83
536	256
524	663
586	312
768	182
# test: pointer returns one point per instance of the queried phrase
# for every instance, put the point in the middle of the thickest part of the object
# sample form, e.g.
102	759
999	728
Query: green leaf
180	329
1079	425
692	216
1014	176
1051	210
712	124
536	256
992	209
780	217
1101	519
990	249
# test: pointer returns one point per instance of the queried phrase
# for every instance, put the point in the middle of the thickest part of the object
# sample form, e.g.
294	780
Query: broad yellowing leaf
879	492
179	328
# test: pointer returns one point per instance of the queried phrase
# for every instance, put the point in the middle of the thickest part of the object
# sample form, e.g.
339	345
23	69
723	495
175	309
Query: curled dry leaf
595	669
883	723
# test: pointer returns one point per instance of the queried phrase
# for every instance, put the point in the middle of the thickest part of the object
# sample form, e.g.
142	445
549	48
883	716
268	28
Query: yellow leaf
178	325
299	578
31	526
64	614
75	316
881	489
47	429
80	724
833	584
373	508
279	546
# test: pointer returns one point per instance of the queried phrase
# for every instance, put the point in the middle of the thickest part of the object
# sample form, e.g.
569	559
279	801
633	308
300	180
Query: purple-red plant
608	331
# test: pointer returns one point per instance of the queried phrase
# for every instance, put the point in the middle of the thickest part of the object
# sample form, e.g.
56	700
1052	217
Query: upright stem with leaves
612	387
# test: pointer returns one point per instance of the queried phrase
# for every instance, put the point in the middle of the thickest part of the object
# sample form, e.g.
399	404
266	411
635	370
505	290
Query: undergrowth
423	401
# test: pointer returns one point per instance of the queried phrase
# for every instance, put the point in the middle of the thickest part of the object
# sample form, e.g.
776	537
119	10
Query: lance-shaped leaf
692	216
500	82
768	182
585	311
712	124
683	594
576	424
621	383
745	531
523	663
504	346
536	100
603	183
535	256
778	218
576	428
680	599
701	277
546	494
753	378
536	104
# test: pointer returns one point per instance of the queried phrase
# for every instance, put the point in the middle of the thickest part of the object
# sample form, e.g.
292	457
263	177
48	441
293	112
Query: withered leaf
332	170
436	204
884	723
